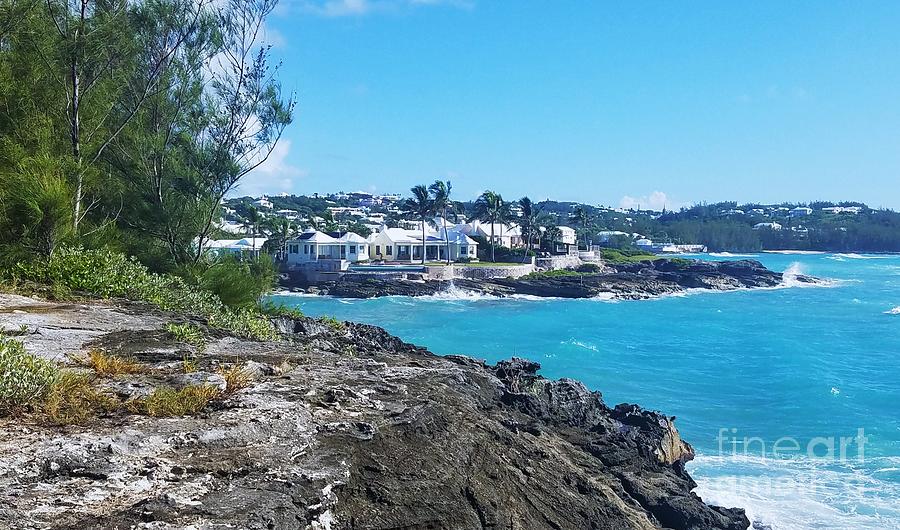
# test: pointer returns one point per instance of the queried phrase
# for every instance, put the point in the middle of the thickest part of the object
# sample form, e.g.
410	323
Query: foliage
74	398
24	378
591	268
613	255
421	206
236	378
188	334
333	323
109	274
168	402
556	273
273	310
109	365
491	208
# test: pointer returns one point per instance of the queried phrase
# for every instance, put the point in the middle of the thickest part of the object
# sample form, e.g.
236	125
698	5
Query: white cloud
351	8
274	175
655	201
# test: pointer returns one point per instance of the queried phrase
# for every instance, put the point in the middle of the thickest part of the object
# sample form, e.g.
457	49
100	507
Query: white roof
351	237
235	244
321	238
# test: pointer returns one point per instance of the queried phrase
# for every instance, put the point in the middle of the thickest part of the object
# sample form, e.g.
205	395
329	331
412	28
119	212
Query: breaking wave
894	311
801	493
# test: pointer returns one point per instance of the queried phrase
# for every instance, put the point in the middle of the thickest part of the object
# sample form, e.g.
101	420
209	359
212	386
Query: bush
165	402
591	268
188	334
24	378
110	274
238	282
236	378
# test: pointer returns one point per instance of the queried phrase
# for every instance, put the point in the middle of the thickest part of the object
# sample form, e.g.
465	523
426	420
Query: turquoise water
741	371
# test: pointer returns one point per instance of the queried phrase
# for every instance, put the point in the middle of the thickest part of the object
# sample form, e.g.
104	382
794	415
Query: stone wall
440	272
559	262
485	273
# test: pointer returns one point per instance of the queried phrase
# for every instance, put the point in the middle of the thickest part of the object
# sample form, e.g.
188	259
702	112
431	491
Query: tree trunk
446	235
493	243
424	248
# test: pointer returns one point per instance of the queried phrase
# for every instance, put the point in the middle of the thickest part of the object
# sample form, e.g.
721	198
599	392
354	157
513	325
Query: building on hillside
399	244
247	246
767	226
263	202
509	236
568	236
314	246
801	211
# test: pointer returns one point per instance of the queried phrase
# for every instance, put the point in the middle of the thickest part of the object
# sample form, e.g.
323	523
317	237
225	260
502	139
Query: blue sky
603	102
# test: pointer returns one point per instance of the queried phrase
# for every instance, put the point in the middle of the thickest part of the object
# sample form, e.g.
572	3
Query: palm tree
421	206
440	193
252	223
582	218
491	208
553	234
528	221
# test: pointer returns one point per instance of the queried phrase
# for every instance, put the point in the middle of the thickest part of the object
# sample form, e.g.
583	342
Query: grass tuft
236	378
73	399
332	323
109	365
168	402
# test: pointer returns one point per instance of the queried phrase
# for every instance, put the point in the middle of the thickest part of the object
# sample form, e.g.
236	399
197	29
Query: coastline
631	281
343	422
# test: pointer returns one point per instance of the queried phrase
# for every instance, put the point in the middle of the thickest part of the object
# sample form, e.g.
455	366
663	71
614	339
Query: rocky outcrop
623	281
345	427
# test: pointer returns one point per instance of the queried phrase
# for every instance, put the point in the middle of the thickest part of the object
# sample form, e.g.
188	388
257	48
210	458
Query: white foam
859	256
800	493
454	293
801	252
730	255
580	344
894	311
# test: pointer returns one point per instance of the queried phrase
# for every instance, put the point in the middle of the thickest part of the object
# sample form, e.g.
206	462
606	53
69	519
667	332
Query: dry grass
110	365
236	378
74	399
166	402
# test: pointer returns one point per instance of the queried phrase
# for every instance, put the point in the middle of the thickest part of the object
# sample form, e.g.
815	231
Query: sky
612	103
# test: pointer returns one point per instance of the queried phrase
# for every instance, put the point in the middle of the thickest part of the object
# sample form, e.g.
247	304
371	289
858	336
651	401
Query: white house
246	246
568	236
313	246
767	226
504	235
263	202
399	244
801	211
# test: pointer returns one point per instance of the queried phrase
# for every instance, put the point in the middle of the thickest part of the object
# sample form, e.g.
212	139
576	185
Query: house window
462	250
389	249
306	249
378	250
353	249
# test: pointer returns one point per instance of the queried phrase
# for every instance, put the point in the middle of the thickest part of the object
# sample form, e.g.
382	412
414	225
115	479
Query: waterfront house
509	236
247	246
400	244
315	246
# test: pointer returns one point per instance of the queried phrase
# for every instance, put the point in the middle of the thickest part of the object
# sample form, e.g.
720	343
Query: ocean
790	396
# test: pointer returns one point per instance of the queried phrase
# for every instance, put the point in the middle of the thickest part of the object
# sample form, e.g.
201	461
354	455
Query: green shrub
164	402
188	334
558	273
238	282
24	378
274	310
591	268
108	274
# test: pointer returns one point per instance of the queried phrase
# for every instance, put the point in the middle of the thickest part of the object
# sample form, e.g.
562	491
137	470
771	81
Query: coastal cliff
343	427
629	281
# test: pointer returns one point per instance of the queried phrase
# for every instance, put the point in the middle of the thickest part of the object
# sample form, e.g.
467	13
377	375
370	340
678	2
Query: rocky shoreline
344	427
630	281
